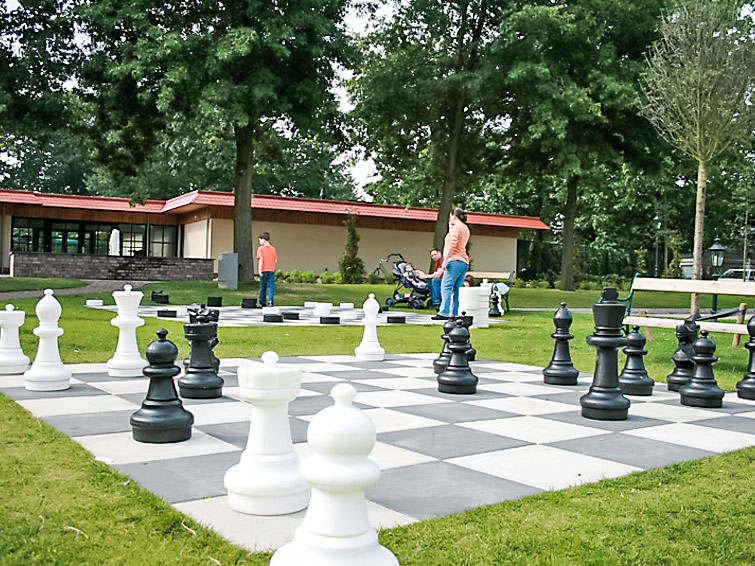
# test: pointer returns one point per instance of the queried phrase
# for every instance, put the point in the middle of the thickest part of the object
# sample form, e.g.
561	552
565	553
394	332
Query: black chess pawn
604	400
561	371
746	387
162	417
495	299
684	365
634	378
702	389
201	380
458	377
441	362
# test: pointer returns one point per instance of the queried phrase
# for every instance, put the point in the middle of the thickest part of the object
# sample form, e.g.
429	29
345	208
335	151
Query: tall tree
417	93
699	84
247	67
567	85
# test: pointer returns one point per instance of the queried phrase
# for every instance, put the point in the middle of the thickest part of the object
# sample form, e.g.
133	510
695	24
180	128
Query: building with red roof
309	234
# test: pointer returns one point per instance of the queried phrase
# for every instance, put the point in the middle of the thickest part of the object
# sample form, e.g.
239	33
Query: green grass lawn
59	506
8	284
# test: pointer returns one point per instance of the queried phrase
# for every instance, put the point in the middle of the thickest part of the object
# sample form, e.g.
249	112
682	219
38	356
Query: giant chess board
440	453
238	317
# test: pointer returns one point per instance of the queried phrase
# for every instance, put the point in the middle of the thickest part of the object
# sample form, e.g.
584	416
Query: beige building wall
197	239
308	247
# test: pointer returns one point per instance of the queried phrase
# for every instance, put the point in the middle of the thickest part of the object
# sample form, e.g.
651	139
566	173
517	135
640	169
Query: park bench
505	277
688	286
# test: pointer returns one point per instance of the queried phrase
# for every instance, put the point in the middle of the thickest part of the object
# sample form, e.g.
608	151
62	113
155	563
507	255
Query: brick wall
110	267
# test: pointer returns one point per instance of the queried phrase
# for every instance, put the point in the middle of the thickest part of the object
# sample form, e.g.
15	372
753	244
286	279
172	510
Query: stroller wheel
389	302
417	304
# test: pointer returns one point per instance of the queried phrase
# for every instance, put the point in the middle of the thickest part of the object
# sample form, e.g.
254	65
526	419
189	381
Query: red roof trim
268	202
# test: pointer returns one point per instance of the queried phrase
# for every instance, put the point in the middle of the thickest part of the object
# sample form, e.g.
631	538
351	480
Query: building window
97	238
27	235
163	241
132	239
64	237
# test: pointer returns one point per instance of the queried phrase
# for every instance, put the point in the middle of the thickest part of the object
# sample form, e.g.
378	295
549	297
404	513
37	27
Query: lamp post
716	261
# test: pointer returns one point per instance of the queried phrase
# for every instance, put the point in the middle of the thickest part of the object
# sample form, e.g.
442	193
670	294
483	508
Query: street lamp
716	261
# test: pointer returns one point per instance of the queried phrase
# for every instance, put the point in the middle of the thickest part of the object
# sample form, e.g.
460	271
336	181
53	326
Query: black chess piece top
495	299
634	378
441	362
702	389
561	371
162	417
458	377
686	334
201	380
746	387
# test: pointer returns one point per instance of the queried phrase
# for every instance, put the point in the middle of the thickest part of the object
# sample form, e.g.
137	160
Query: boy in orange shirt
267	259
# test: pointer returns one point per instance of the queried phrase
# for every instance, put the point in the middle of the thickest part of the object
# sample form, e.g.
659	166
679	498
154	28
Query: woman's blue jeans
453	278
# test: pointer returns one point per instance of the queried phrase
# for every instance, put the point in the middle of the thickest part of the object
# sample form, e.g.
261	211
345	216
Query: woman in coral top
455	263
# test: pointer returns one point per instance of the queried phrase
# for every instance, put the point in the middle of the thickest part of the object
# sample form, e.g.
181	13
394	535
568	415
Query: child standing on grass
267	259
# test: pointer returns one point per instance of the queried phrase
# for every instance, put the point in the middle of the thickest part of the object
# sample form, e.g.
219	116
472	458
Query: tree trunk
242	203
449	177
697	253
567	251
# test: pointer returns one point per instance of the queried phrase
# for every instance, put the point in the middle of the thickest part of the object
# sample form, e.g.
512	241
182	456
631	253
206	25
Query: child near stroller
406	278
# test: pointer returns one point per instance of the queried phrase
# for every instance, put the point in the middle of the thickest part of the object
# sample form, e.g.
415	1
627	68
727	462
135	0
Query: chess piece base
44	376
267	485
709	398
129	366
205	385
318	550
560	376
746	389
14	369
643	387
272	318
605	405
160	436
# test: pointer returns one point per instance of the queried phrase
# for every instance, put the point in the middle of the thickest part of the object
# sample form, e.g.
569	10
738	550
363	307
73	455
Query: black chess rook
201	379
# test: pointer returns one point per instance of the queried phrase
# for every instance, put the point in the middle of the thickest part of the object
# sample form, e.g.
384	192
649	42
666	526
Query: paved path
93	286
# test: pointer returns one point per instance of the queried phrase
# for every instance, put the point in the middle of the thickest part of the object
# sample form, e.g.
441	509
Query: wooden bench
688	286
496	277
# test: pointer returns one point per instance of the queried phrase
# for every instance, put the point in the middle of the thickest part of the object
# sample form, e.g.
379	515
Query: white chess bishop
12	357
48	373
336	530
127	361
267	481
370	348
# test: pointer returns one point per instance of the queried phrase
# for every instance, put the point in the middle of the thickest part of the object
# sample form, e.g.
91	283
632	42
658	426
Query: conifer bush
351	265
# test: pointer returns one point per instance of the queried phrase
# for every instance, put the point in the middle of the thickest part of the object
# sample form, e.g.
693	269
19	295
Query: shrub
326	277
337	277
294	276
281	275
374	278
308	277
350	265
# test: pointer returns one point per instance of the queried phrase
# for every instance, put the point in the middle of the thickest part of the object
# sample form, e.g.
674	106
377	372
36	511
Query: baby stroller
419	291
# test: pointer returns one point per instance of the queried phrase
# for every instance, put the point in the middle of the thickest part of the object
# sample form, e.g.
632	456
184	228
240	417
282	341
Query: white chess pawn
126	361
336	530
48	373
12	357
267	480
370	348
